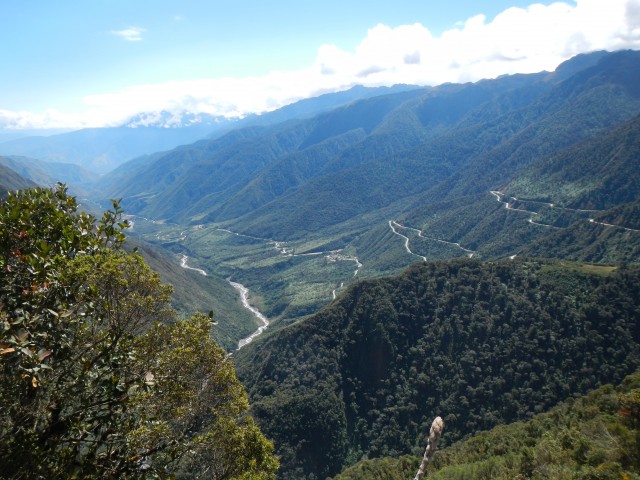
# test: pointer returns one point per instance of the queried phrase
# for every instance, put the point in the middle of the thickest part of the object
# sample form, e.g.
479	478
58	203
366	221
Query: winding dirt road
395	224
406	239
507	205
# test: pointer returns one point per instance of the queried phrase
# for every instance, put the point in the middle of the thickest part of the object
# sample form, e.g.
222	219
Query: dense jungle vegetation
596	436
478	343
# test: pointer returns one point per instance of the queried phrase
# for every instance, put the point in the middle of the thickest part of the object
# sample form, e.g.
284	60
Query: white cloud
518	40
130	34
49	119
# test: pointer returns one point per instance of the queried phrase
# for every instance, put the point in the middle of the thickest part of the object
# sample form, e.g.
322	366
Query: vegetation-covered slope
10	181
592	437
426	159
561	206
402	177
50	173
478	343
193	292
596	174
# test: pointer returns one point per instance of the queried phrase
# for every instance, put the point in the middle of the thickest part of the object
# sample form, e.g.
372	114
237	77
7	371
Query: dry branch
434	437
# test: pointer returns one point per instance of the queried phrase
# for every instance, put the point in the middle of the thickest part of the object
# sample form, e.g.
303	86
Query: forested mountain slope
590	187
480	343
199	293
611	236
11	180
539	165
212	173
50	173
597	174
400	178
595	436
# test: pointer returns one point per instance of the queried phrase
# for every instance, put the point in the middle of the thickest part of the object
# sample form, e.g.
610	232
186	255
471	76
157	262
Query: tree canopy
100	379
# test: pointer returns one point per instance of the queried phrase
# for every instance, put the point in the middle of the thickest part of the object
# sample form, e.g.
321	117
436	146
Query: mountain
478	343
10	180
311	107
572	189
481	176
439	143
228	165
7	134
403	177
596	174
50	173
199	293
611	236
100	150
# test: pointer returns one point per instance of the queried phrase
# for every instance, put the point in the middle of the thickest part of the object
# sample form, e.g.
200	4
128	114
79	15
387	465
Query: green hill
50	173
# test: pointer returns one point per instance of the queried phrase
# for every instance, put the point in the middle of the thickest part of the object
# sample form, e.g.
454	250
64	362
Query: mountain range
542	164
100	150
398	150
465	250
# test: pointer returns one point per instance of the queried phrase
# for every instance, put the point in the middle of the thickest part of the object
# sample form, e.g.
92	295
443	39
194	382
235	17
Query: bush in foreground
99	379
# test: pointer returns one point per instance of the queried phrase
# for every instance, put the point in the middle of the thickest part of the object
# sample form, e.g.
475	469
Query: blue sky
73	64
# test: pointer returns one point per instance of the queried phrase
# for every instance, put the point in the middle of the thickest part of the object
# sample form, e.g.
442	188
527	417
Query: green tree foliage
99	380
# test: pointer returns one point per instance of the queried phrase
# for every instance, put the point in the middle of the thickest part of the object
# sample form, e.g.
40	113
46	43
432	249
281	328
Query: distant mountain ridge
101	150
10	181
49	173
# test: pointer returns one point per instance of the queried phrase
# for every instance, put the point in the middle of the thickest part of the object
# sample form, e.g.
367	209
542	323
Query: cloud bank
518	40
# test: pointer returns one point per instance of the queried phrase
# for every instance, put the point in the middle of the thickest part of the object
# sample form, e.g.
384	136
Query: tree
99	378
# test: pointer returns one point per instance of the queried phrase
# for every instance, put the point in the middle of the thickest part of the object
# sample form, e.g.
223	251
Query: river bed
244	297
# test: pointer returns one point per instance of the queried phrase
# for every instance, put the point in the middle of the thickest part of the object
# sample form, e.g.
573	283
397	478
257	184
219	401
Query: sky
70	64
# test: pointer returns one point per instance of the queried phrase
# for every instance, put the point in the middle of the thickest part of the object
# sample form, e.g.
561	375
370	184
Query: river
244	297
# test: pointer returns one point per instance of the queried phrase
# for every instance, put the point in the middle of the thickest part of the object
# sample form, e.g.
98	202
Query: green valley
521	165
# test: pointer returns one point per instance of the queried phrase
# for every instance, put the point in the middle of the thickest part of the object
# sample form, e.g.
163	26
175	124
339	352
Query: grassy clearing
590	268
